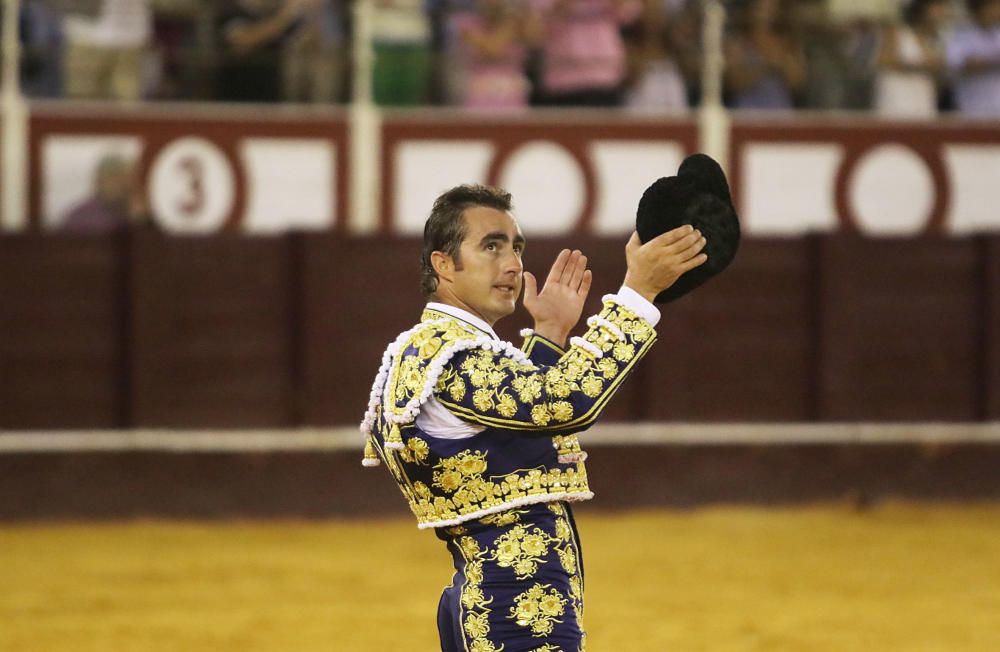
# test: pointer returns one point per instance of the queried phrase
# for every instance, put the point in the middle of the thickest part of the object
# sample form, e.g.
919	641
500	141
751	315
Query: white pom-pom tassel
587	346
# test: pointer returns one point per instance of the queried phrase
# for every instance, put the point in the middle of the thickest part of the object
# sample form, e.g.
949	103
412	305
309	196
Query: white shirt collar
464	315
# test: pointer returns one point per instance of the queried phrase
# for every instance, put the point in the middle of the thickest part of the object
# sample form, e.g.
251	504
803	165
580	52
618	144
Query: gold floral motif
416	451
608	368
471	596
548	647
477	625
482	399
474	572
528	388
502	519
562	411
624	351
538	609
521	550
451	473
592	386
473	493
477	618
430	347
457	389
568	559
563	531
469	546
477	377
540	415
506	406
422	491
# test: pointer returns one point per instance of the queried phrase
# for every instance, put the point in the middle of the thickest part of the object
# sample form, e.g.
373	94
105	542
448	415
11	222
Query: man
481	436
973	54
114	204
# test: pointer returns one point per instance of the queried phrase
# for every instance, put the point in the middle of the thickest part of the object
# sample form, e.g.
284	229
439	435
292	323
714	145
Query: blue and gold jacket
530	402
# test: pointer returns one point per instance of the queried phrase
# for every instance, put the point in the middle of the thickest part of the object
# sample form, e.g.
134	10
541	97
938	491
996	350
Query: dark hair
913	12
445	228
975	6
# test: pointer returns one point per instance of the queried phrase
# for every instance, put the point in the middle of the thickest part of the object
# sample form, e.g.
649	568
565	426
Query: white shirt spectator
120	24
976	93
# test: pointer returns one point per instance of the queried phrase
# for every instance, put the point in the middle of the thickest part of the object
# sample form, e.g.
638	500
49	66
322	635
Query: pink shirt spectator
583	46
491	82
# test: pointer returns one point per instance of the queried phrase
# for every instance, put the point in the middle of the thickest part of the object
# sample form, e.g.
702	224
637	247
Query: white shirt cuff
638	304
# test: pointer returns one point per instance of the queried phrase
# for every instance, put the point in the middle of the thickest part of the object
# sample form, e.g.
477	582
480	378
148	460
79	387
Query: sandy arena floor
896	578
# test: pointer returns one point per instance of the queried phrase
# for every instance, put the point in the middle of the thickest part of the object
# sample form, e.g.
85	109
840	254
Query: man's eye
491	246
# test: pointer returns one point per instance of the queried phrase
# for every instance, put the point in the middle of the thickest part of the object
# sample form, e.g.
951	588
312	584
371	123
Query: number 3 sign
191	186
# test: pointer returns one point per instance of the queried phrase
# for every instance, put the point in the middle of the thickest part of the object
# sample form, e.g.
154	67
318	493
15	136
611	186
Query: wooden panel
739	347
359	295
899	329
991	328
59	333
212	328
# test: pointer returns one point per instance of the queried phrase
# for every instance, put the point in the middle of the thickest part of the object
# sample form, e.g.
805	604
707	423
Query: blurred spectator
765	66
911	61
104	54
494	50
656	81
973	54
252	34
316	55
40	31
402	39
839	53
583	56
115	202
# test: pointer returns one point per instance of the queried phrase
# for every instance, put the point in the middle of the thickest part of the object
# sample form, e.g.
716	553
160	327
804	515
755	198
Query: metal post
365	128
13	180
713	119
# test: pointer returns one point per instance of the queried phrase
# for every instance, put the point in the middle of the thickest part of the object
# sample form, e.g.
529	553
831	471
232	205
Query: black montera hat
699	196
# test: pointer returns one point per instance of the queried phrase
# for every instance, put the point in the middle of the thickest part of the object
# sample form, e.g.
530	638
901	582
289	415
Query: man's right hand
655	266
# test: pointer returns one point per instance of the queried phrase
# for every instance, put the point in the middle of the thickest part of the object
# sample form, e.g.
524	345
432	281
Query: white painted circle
548	187
892	192
191	186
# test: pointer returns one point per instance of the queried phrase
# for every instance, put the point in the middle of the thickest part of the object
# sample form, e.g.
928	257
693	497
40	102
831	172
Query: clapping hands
557	308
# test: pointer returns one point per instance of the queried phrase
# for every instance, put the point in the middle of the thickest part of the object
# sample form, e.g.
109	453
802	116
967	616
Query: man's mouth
505	288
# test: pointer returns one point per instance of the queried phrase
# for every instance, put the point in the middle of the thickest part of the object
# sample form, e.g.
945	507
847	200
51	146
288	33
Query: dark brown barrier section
741	348
224	485
142	330
61	333
212	332
990	329
900	324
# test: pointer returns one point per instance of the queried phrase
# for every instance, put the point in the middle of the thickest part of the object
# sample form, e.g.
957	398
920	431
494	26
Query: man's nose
513	263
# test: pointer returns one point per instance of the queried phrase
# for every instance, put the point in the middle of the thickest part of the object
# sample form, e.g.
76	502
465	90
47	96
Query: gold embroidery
624	351
562	411
503	518
476	622
470	492
538	609
488	387
416	451
521	550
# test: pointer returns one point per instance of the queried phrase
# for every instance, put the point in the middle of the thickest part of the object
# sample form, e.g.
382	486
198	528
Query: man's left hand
558	307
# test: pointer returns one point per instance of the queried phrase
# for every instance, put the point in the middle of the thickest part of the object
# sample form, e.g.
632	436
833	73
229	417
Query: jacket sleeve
541	350
488	387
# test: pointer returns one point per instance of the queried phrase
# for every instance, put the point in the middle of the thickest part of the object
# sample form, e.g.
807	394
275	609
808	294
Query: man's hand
559	305
655	266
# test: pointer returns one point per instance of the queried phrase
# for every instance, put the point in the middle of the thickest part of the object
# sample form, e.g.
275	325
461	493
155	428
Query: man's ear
444	265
